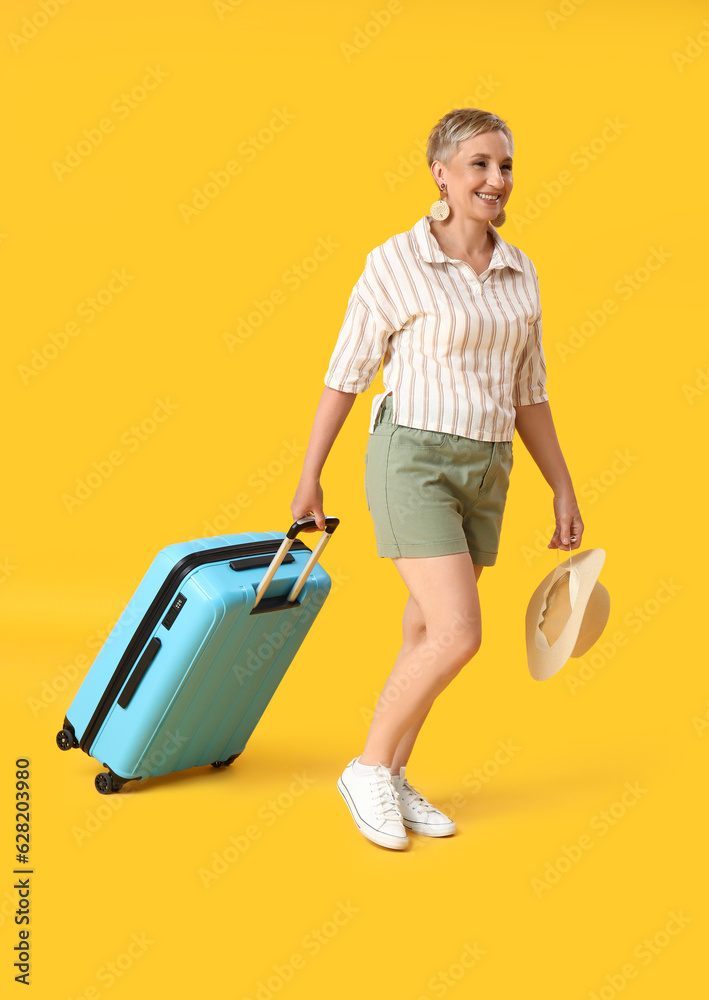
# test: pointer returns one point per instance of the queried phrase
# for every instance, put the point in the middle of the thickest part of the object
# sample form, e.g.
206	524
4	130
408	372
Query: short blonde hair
457	126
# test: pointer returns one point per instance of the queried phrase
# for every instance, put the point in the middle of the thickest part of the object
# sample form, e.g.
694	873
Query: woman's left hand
569	526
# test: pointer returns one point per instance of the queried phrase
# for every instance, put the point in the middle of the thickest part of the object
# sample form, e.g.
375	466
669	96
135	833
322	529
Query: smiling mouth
493	199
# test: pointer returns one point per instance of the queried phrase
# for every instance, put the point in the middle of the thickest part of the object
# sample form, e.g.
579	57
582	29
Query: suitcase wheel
226	763
105	784
66	739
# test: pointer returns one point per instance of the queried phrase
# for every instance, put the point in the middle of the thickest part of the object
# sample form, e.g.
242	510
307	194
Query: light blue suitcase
198	653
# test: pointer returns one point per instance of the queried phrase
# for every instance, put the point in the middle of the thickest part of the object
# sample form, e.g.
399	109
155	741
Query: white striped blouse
460	351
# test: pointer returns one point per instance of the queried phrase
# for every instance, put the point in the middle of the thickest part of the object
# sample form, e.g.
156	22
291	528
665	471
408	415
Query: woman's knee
448	651
414	625
442	614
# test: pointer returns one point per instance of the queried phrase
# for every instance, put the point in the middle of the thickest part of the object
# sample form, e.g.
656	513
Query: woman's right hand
308	499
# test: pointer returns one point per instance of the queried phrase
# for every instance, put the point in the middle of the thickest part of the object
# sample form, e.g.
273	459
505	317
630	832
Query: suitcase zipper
159	606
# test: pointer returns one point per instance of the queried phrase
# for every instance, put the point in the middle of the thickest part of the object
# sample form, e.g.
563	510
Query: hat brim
589	609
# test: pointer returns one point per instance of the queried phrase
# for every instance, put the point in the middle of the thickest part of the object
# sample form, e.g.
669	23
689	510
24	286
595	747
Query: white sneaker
373	802
417	812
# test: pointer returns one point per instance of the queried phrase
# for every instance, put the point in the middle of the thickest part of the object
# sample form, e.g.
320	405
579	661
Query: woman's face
481	165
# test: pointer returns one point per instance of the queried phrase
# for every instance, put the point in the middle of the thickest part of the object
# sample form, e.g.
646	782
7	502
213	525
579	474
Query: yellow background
346	168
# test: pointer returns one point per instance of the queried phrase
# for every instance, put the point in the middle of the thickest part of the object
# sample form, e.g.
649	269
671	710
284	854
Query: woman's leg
414	632
444	591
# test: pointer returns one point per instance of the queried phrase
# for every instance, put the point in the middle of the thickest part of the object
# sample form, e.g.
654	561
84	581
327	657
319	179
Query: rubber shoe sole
376	836
429	830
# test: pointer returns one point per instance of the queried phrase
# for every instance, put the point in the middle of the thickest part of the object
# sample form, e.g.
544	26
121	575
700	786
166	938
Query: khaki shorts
434	494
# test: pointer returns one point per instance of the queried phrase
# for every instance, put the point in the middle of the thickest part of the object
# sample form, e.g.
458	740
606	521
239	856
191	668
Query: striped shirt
460	350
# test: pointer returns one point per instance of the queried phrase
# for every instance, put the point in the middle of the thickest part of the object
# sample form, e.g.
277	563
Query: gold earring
440	209
500	219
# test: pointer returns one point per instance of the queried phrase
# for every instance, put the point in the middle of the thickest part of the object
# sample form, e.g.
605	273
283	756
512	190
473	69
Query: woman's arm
329	417
536	428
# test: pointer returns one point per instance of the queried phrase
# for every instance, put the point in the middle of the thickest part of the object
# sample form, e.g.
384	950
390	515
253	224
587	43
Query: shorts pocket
414	437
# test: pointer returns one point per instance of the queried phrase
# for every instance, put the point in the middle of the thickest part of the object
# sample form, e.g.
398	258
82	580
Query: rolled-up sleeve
370	320
531	377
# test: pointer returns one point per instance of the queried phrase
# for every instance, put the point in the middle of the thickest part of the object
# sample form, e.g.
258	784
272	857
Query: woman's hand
308	499
569	526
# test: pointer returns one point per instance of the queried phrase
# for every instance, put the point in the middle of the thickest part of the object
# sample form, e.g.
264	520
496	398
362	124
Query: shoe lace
415	799
384	796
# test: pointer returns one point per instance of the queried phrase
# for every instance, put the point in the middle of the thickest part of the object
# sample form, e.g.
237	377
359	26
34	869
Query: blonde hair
457	126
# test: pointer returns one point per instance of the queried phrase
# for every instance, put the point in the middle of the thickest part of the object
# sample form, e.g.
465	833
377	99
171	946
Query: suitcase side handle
303	522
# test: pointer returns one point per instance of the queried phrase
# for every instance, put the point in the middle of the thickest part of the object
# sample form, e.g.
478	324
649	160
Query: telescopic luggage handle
292	533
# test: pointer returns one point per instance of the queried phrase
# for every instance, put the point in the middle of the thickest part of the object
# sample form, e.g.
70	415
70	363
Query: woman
453	310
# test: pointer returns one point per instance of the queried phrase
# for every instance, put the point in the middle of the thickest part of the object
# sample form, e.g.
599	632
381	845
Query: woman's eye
481	163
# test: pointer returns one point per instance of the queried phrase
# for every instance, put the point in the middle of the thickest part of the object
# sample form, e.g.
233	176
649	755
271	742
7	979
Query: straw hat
566	614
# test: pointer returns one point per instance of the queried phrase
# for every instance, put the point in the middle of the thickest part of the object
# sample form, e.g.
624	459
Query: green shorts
434	494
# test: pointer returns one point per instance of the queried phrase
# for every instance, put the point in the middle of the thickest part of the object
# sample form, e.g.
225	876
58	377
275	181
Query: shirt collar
428	248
